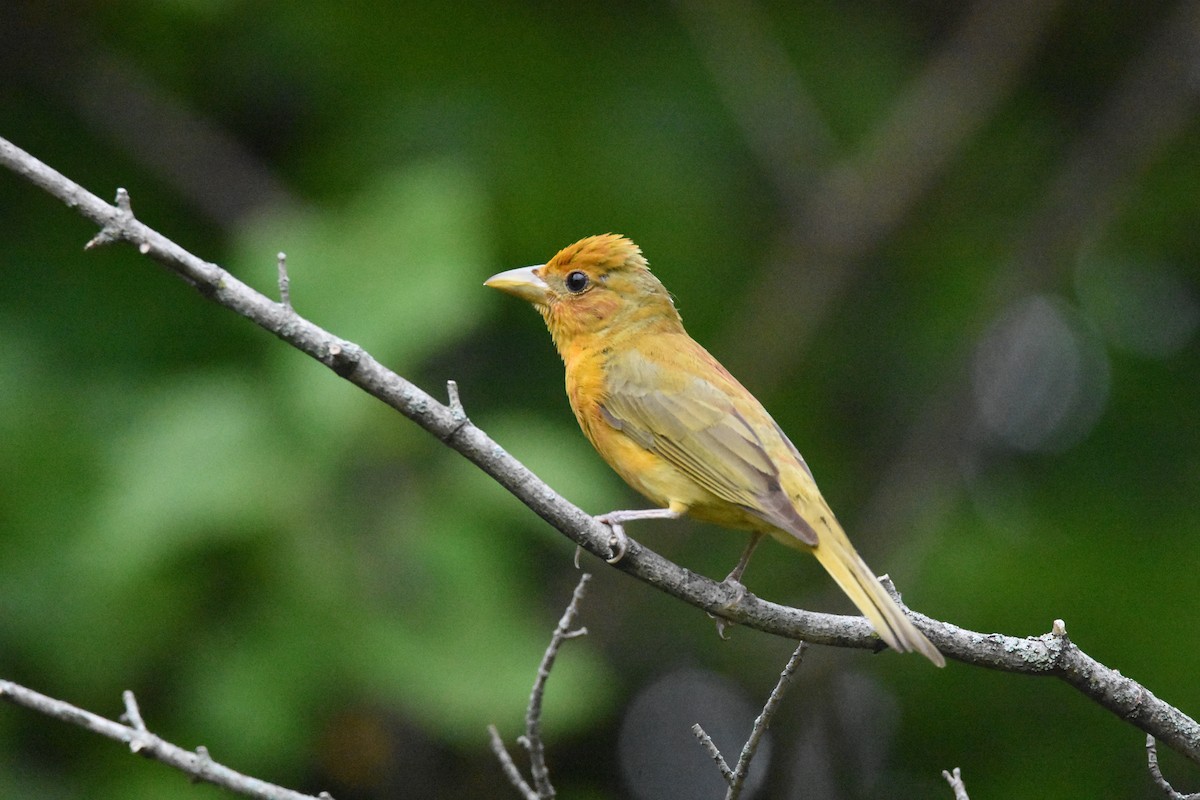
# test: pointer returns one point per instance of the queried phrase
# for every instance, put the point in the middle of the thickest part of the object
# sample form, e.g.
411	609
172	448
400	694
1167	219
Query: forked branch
532	739
736	776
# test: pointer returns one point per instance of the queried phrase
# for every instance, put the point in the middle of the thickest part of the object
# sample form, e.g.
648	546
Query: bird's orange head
599	286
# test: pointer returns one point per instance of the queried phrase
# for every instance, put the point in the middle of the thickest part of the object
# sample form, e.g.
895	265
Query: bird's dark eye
576	281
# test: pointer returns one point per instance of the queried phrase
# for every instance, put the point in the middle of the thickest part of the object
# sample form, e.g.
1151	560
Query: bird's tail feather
856	579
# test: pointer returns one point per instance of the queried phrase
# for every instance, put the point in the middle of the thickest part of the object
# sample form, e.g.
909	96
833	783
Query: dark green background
953	248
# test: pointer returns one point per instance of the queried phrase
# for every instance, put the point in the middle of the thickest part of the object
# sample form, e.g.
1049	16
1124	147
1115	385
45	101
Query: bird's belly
666	485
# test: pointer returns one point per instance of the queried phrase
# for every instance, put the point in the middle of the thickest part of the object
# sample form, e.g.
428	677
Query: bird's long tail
856	579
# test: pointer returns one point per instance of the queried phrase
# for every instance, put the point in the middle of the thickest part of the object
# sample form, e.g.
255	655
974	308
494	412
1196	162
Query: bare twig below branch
764	720
198	765
713	751
956	783
1050	654
506	763
736	777
533	715
1157	776
532	738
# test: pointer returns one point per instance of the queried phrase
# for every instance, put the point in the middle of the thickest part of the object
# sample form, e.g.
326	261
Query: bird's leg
734	581
616	520
735	575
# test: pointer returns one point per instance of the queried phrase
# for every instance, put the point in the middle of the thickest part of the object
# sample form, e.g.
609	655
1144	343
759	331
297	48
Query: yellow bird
677	427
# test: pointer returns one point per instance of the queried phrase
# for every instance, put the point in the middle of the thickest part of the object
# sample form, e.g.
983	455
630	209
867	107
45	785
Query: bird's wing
681	406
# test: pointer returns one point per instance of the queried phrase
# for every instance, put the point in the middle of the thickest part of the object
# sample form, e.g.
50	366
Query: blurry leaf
397	270
204	460
468	654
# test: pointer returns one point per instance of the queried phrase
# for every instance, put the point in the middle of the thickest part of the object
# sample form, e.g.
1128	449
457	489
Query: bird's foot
735	593
618	542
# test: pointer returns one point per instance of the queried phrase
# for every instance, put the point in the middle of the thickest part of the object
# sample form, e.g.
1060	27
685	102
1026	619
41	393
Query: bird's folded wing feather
687	416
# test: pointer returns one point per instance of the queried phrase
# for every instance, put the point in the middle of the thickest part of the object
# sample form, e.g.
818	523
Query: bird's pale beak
523	282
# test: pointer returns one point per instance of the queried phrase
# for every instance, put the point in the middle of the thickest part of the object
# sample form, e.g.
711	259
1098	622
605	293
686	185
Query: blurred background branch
842	214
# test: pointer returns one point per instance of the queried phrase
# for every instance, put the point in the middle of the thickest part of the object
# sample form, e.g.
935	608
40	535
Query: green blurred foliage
289	573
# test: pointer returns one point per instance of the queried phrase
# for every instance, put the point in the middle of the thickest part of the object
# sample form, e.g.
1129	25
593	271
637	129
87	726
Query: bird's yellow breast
649	474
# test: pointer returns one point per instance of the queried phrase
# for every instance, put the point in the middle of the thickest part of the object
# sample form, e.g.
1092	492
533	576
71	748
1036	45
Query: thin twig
736	777
713	751
133	714
454	400
1035	655
197	765
531	740
1157	776
533	714
285	283
764	721
956	783
457	412
506	763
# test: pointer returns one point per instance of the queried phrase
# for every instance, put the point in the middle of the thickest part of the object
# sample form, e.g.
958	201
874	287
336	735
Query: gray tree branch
197	764
956	783
1051	654
532	738
1156	774
736	777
